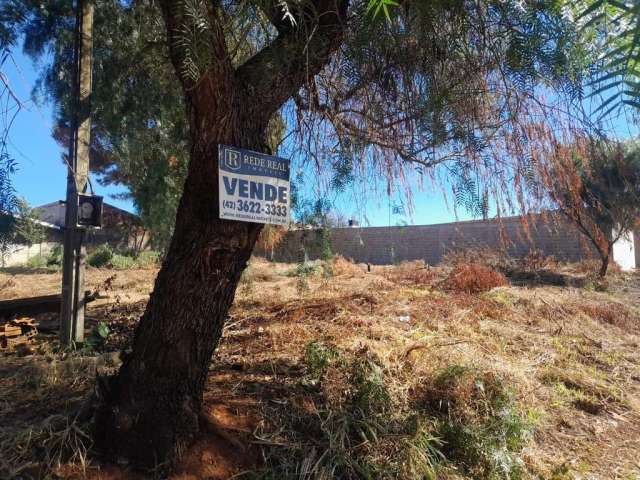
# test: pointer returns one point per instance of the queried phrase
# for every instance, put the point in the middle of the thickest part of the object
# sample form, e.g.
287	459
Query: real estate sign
253	187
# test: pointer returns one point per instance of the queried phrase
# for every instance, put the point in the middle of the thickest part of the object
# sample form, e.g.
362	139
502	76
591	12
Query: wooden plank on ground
30	306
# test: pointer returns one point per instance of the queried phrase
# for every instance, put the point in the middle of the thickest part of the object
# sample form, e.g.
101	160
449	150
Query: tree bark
149	412
605	259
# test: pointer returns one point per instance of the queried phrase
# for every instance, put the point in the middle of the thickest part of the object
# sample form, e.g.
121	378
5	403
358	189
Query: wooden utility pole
72	311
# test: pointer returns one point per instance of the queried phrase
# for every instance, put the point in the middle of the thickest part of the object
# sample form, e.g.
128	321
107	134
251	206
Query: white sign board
253	187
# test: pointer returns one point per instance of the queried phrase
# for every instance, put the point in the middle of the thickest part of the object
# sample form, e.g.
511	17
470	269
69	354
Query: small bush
122	262
304	269
479	422
98	337
488	257
413	273
357	431
317	358
37	261
54	259
473	278
371	395
105	257
148	258
101	257
536	261
342	266
302	272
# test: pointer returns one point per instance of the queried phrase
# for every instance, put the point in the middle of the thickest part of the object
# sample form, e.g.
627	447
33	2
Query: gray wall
387	245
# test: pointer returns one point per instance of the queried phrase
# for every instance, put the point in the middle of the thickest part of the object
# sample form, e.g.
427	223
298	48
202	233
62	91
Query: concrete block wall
387	245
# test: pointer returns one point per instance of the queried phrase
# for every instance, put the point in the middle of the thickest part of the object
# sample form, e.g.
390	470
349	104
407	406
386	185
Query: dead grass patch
414	273
583	389
341	266
539	349
613	313
472	278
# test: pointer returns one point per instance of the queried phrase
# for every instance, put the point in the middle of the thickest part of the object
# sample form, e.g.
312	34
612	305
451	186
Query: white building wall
624	253
20	254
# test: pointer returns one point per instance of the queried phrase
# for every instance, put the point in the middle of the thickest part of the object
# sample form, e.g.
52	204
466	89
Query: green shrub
37	261
105	256
362	436
466	423
371	394
317	357
324	244
101	256
98	336
304	269
147	259
122	262
54	259
479	422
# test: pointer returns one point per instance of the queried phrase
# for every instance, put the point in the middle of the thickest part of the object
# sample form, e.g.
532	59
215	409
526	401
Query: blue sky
41	175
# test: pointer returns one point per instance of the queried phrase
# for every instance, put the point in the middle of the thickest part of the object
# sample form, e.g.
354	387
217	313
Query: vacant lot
329	371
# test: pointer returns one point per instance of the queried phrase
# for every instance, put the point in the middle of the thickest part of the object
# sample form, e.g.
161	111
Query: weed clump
413	273
354	430
479	422
359	427
105	257
341	266
101	256
473	278
37	262
536	261
52	261
488	257
317	358
302	272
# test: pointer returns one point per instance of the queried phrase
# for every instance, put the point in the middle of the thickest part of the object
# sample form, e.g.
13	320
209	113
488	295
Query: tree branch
276	15
279	70
196	41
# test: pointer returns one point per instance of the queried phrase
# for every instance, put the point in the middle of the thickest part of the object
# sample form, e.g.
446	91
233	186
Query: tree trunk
605	258
148	413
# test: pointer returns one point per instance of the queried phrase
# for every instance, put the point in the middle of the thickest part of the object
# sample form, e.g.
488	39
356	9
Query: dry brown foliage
492	258
456	393
612	313
590	267
416	272
536	261
473	278
270	237
567	352
345	266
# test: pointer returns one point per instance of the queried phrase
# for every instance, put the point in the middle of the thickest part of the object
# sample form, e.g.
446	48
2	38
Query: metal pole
72	311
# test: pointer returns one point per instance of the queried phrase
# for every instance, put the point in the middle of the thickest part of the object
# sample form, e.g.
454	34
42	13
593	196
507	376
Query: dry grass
413	273
341	267
565	360
592	267
473	278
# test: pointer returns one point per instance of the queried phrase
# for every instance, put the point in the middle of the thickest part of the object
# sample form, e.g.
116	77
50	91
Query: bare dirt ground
571	354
